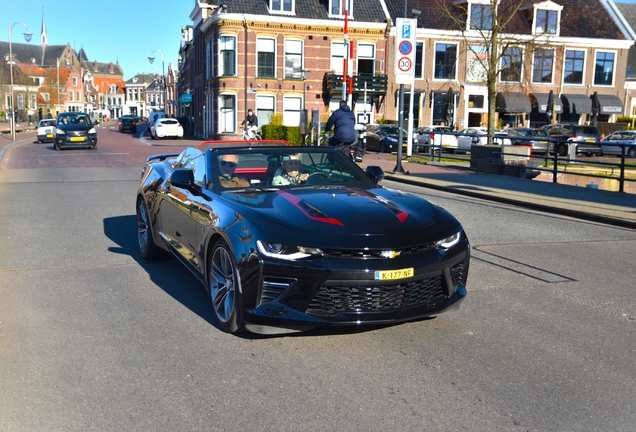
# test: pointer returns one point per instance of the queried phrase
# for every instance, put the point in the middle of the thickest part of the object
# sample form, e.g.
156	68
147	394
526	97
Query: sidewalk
616	208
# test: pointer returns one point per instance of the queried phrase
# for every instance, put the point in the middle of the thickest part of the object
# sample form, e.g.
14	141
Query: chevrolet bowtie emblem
389	254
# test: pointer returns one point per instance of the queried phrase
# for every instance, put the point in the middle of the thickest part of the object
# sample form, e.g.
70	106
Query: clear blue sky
116	30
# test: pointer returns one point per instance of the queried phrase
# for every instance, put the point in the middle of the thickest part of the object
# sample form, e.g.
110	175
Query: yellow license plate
77	139
394	274
590	140
49	135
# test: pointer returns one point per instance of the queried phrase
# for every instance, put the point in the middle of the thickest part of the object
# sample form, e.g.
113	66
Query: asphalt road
93	338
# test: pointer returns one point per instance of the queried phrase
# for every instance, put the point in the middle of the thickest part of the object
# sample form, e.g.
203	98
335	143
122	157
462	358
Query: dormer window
337	8
481	17
547	18
282	6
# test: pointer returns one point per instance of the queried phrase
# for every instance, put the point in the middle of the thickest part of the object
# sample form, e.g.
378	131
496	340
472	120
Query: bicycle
250	133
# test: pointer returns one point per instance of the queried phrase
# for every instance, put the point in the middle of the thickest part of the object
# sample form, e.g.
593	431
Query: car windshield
74	119
45	123
391	130
272	168
168	121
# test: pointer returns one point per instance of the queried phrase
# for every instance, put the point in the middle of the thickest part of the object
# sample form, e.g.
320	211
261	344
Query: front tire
631	152
145	240
223	285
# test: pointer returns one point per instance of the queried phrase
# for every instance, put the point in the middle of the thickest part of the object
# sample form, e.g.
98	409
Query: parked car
74	129
128	123
614	143
535	138
337	249
436	135
587	139
46	130
166	127
472	136
384	138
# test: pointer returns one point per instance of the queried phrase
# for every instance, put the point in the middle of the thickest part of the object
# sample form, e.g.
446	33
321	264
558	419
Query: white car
46	130
614	143
166	127
478	136
437	136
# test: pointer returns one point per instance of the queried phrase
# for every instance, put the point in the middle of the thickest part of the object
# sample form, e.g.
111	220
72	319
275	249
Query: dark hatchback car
384	138
128	123
587	139
74	129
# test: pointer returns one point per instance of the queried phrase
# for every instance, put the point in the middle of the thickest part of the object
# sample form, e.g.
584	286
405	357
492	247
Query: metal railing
532	163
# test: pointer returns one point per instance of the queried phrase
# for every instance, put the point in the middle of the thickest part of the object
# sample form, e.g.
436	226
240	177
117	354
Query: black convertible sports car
301	244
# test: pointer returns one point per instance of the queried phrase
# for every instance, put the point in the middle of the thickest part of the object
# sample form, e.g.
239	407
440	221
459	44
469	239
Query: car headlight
92	131
287	252
391	139
59	131
448	242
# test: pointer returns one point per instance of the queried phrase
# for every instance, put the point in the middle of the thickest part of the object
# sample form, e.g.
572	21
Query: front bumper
76	140
344	292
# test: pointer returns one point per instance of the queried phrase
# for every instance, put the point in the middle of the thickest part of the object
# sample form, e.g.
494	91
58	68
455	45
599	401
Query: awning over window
610	104
540	102
513	102
576	104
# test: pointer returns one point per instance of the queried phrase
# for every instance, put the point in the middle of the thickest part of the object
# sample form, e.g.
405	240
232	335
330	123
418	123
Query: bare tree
495	34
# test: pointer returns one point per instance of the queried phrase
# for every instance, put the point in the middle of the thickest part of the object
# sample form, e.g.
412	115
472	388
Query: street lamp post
27	37
304	117
104	95
151	58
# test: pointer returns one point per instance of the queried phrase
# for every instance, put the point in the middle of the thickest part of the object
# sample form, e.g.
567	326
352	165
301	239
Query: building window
282	6
293	59
604	69
337	57
573	69
71	95
511	64
227	113
546	22
445	60
46	96
265	108
74	81
34	103
78	96
419	60
481	17
208	60
542	66
227	58
291	110
266	58
20	101
366	58
337	8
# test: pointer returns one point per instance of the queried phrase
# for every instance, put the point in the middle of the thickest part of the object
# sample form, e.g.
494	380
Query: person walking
343	122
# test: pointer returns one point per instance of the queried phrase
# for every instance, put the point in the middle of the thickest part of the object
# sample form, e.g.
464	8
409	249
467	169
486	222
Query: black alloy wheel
147	247
223	285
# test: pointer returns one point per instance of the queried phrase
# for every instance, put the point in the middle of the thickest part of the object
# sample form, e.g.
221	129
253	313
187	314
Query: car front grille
373	253
332	299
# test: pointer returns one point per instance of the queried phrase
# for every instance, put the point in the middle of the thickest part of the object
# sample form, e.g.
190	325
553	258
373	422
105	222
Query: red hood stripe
296	202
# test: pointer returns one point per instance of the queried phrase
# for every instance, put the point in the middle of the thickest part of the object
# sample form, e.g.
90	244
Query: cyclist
251	122
343	122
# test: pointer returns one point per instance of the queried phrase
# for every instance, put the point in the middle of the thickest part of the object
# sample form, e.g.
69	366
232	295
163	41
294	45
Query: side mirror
375	173
182	177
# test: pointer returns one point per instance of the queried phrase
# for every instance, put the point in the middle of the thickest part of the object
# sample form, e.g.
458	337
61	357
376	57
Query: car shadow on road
167	274
180	284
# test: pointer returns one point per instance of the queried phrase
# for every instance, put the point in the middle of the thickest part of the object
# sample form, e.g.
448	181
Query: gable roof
362	10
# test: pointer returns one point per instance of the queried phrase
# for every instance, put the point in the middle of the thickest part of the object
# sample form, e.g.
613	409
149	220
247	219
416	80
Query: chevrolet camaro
290	246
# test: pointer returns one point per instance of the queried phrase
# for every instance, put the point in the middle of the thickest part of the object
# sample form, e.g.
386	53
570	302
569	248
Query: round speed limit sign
405	64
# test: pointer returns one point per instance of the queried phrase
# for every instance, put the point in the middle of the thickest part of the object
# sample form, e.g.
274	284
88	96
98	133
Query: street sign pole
404	72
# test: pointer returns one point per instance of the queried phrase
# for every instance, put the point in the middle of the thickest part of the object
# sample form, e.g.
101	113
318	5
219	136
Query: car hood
75	127
361	216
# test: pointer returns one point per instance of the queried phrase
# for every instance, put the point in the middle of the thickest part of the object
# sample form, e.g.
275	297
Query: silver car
613	144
